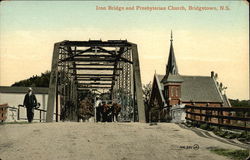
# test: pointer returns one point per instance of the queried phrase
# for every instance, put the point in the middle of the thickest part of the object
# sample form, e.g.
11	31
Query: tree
146	90
35	81
239	103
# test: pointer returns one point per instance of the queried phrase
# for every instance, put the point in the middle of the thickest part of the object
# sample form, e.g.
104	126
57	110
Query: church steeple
171	65
172	80
172	74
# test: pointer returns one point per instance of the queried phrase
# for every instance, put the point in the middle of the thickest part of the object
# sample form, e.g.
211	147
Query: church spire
171	36
172	74
172	65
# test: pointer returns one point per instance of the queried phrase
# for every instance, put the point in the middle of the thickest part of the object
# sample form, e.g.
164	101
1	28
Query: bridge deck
105	141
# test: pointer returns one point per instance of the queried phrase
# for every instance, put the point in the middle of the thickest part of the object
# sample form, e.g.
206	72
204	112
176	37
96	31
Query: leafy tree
35	81
239	103
146	90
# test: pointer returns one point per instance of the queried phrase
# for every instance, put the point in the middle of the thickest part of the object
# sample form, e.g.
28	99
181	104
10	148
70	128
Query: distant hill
35	81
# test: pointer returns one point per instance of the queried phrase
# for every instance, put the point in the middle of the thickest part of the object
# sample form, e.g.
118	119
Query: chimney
212	74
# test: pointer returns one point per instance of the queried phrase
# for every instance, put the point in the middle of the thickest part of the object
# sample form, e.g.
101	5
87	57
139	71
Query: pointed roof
171	65
172	74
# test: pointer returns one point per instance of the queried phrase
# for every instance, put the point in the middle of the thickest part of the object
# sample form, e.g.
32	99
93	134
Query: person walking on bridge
98	104
30	103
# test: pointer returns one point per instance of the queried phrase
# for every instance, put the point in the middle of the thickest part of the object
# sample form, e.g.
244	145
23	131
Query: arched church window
177	92
172	91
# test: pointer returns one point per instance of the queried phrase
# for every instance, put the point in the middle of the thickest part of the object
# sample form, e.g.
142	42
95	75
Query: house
173	90
14	96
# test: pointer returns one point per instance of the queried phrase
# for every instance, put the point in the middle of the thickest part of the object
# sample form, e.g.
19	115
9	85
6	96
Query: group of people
107	112
86	110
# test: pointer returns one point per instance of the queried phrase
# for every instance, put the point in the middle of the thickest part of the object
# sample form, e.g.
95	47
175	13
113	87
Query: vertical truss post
56	103
76	103
53	84
138	84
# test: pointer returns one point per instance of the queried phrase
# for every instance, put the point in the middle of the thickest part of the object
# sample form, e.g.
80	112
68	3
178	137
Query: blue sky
38	15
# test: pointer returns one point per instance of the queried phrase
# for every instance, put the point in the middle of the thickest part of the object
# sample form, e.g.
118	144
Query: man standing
30	102
98	109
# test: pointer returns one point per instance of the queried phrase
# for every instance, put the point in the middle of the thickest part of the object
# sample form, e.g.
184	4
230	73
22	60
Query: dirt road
104	141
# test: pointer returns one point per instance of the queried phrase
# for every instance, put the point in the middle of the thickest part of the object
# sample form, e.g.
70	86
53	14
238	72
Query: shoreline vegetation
241	136
234	154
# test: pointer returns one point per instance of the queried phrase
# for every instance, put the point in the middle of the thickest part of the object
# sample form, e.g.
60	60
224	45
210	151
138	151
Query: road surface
105	141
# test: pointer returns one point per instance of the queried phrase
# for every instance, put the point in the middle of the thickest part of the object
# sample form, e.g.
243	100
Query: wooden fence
3	112
220	116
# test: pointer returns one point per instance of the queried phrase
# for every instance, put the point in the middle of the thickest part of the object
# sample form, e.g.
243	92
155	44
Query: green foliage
188	124
222	132
204	126
239	103
146	90
207	127
35	81
214	128
192	124
234	154
231	136
244	137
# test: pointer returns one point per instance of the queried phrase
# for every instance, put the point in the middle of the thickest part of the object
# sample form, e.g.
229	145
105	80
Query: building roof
36	90
176	78
197	89
160	86
226	102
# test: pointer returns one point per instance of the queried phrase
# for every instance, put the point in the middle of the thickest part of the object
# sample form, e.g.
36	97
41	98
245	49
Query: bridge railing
15	113
36	109
229	117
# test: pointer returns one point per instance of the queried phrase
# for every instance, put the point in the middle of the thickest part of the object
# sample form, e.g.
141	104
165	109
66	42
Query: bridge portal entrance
110	67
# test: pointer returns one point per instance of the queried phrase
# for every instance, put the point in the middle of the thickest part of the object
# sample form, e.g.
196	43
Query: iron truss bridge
110	67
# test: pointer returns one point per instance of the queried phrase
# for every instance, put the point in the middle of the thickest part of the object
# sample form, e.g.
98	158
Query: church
173	91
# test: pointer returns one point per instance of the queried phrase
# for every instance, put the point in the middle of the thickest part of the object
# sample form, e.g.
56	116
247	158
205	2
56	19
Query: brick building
172	90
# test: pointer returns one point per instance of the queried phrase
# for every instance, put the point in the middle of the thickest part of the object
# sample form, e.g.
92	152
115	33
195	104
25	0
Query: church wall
173	94
174	101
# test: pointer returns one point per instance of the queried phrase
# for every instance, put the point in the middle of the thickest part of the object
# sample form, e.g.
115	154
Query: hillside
35	81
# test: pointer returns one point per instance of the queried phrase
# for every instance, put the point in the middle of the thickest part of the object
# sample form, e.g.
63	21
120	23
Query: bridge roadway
105	141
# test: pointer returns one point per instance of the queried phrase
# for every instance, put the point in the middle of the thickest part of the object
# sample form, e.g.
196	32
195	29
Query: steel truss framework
111	66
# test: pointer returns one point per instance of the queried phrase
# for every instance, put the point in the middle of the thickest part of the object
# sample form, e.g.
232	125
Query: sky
204	41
